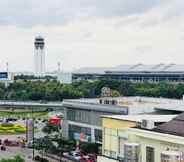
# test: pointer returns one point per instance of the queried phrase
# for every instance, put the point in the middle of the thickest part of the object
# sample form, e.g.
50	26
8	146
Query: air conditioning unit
171	156
132	152
147	124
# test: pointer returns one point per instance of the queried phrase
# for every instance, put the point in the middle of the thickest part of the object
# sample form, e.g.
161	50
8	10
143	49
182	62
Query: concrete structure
39	56
135	73
115	133
83	116
30	106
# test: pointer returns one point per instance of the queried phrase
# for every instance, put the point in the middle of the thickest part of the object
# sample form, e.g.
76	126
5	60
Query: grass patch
12	129
42	115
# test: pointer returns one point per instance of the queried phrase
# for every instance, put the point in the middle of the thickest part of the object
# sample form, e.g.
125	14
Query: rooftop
173	127
131	105
134	101
132	68
139	118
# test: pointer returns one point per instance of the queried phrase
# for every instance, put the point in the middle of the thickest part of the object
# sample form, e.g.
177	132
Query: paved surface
25	153
13	151
38	134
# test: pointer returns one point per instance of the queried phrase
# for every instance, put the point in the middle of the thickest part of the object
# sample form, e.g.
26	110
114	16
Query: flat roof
134	102
139	118
171	107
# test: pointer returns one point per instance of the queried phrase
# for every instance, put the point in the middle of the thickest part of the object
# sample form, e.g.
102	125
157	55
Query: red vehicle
90	160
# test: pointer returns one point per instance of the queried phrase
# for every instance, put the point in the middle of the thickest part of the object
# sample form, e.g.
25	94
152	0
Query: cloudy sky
83	33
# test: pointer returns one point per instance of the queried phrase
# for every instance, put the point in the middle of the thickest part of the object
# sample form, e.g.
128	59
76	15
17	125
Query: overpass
6	105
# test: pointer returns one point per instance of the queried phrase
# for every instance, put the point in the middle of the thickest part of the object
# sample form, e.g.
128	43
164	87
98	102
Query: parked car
3	148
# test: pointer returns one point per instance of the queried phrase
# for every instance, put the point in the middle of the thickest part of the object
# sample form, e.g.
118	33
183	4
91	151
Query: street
13	151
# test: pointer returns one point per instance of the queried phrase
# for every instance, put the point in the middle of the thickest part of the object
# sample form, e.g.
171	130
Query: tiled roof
174	127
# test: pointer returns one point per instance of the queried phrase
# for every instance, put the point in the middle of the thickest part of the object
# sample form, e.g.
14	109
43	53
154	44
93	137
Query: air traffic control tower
39	56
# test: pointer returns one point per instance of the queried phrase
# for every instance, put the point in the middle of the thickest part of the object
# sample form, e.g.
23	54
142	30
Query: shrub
7	124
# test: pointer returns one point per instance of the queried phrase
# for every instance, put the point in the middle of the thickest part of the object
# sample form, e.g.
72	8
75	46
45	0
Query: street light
33	134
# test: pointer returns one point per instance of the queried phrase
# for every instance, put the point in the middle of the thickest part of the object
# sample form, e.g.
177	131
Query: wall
158	141
113	131
105	159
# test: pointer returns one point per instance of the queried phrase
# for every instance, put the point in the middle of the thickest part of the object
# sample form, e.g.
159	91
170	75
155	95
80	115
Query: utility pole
33	134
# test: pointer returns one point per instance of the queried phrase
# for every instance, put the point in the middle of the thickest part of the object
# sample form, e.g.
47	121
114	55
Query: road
13	151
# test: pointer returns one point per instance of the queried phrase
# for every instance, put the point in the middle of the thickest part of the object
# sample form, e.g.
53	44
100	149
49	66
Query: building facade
82	117
166	138
134	73
39	56
115	133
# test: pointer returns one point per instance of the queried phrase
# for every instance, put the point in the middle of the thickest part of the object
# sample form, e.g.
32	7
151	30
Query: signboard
55	121
3	75
81	137
29	130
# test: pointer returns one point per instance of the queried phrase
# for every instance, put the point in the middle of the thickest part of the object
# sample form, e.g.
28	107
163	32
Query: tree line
52	90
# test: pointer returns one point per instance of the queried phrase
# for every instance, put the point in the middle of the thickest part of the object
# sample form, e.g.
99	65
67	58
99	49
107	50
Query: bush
37	158
89	147
12	129
7	124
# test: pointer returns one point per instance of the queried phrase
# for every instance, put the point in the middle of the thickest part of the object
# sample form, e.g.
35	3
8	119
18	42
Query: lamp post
33	134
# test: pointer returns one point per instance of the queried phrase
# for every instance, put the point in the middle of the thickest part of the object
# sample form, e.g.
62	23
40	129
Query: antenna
59	67
7	67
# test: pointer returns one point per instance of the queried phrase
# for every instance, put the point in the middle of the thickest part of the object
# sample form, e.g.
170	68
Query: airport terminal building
135	73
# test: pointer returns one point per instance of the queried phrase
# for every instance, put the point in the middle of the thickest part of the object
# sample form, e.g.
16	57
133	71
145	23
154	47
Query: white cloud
92	33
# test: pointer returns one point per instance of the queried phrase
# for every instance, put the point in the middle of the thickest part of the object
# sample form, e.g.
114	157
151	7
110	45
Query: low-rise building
82	117
115	133
167	138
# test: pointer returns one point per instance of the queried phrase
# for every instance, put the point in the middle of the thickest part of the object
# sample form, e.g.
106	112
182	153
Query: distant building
39	56
65	78
6	78
134	73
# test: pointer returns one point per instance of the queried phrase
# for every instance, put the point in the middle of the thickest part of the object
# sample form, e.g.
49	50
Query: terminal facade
134	73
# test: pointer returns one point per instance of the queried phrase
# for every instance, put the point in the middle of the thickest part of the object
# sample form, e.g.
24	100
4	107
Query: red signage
55	121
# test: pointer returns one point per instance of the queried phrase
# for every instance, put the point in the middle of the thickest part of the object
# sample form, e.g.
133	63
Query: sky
90	33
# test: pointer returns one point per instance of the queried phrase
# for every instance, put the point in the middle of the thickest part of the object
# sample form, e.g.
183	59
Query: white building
39	56
65	78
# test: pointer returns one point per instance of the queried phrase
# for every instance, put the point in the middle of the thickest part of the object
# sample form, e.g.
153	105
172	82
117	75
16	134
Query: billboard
55	121
82	137
3	75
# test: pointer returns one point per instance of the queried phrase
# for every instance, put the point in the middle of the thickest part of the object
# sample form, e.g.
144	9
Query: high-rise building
39	56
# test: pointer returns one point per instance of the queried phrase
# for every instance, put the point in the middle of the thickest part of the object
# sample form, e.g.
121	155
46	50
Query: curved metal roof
133	68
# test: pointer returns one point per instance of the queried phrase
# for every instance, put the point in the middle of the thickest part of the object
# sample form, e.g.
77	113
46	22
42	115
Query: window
98	135
150	154
121	146
71	115
78	116
111	142
76	132
113	154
